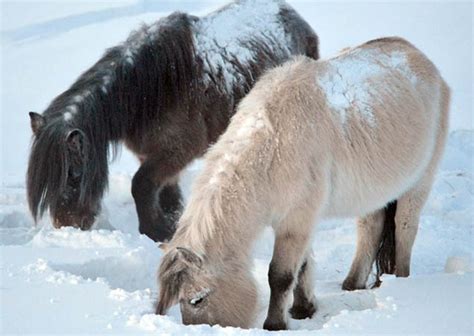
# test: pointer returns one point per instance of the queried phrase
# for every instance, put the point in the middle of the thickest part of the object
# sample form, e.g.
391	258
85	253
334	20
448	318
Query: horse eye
196	301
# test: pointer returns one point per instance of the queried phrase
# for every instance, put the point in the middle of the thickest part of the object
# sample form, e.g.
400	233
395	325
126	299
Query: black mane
121	94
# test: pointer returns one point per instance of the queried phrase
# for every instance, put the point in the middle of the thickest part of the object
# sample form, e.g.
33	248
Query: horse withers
360	134
167	92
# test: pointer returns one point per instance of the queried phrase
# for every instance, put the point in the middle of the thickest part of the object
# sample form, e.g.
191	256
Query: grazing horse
167	92
312	140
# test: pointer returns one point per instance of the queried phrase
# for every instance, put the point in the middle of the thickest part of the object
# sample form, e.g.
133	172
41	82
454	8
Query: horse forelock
48	170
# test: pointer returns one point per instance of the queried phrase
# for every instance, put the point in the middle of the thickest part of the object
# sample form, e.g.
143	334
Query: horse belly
355	199
357	190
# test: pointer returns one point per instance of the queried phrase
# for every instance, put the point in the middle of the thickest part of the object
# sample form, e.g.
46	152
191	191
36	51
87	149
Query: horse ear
37	122
190	257
176	267
75	142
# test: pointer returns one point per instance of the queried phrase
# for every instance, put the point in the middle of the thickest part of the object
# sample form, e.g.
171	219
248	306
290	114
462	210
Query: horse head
206	294
65	173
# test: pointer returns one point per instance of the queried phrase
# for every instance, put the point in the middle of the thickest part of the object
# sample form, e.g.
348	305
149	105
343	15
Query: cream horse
313	140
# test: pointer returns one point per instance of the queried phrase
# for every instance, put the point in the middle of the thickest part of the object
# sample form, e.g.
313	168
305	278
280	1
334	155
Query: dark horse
167	92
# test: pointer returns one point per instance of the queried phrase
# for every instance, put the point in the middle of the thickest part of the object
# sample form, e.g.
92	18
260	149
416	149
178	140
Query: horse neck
218	226
95	104
126	90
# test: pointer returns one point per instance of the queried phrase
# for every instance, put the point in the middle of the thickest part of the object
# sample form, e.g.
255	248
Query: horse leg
171	202
407	218
292	238
369	232
304	303
148	183
410	204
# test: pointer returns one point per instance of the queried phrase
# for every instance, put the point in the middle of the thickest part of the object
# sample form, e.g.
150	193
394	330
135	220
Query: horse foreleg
171	202
369	232
304	303
292	238
156	196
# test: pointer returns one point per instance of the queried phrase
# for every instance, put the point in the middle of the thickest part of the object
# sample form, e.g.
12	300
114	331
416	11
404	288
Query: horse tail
385	258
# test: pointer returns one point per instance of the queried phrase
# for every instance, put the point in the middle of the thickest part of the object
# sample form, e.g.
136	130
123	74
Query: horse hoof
351	285
302	312
403	273
274	325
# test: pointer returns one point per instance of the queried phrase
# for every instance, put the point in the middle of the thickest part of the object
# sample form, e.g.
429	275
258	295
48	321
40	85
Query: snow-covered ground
104	281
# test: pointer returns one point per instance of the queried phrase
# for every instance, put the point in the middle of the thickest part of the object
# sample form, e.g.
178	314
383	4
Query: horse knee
171	200
141	185
280	281
138	185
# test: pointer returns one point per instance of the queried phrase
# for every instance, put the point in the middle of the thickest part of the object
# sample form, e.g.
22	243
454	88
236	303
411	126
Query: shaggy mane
120	95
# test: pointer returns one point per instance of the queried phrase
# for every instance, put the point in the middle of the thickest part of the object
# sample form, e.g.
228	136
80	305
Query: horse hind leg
407	219
369	232
411	203
401	217
387	236
400	227
304	303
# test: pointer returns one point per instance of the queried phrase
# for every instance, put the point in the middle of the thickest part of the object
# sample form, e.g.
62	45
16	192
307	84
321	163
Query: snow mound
117	267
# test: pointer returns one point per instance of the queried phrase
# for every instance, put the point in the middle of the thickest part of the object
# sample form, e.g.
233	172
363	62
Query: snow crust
225	34
348	80
104	280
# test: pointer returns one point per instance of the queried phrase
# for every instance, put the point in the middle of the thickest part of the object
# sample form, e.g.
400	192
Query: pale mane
217	191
